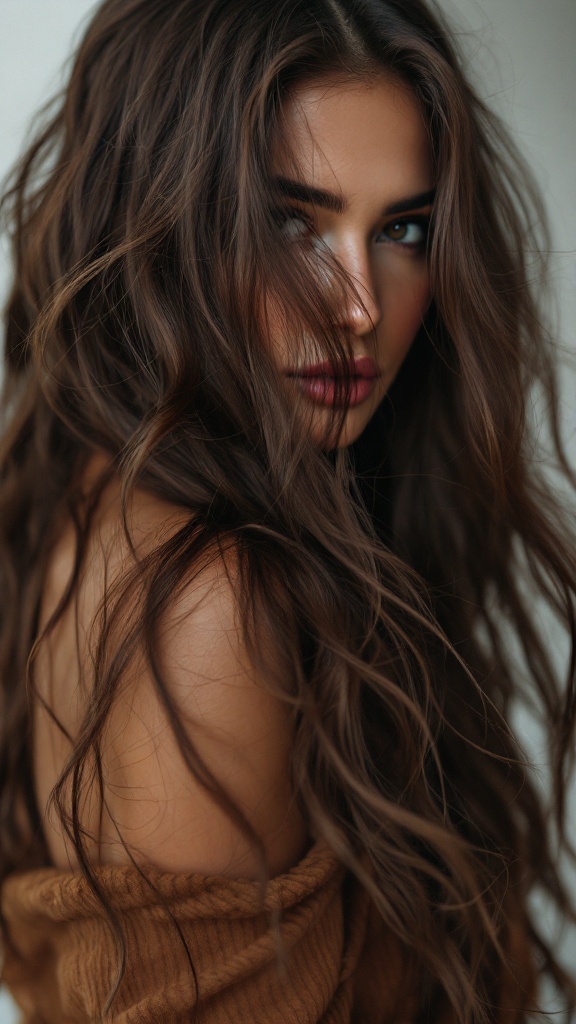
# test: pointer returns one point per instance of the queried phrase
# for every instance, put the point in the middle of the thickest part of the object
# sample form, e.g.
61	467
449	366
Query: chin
353	426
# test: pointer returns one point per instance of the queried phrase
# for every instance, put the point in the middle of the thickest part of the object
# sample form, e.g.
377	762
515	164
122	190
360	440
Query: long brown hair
392	576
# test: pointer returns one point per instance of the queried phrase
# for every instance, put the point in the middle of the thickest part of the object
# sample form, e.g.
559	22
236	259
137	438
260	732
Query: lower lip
323	390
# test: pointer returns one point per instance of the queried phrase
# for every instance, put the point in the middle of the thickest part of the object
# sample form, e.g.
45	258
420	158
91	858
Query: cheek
273	324
404	305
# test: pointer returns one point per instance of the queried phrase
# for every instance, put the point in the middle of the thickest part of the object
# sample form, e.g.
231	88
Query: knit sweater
61	957
61	962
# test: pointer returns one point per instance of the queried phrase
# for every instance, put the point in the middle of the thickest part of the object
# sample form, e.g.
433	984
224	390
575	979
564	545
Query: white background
520	53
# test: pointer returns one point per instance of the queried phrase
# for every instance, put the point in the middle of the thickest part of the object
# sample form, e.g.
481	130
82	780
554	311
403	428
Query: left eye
411	233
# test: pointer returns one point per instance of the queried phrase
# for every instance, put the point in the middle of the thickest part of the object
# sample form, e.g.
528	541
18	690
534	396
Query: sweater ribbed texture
62	960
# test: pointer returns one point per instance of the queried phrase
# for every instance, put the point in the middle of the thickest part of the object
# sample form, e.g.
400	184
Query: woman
269	513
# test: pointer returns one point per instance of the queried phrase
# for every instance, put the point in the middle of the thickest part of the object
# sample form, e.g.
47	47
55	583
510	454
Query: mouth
325	384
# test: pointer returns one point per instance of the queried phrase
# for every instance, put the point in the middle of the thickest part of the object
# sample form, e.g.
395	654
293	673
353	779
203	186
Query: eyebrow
336	203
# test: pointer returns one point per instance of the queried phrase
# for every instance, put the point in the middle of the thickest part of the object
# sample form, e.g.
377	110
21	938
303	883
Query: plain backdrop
520	54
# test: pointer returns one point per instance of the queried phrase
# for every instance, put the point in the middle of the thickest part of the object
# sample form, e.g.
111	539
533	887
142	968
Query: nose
362	308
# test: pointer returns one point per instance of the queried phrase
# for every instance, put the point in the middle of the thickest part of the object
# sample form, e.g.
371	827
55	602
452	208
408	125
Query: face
363	188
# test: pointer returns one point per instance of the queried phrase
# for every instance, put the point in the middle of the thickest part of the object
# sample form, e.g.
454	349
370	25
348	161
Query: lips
324	384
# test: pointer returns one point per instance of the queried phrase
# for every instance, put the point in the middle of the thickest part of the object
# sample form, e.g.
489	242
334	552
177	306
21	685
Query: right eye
292	224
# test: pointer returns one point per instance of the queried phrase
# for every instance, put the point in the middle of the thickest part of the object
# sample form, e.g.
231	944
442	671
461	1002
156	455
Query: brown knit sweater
61	960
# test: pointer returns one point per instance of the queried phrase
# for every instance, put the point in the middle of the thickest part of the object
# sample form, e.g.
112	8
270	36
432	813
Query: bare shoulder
238	727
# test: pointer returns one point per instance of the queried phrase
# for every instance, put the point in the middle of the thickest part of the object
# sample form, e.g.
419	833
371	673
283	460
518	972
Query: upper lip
361	366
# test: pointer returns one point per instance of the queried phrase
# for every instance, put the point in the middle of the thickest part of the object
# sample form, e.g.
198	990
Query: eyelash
283	216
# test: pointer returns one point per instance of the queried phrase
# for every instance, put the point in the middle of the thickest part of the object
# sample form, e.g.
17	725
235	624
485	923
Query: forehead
351	136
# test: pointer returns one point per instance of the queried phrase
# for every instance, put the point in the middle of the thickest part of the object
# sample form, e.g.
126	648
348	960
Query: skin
367	143
239	727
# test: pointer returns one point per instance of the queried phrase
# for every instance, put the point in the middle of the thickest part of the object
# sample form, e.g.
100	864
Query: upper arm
152	802
240	730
